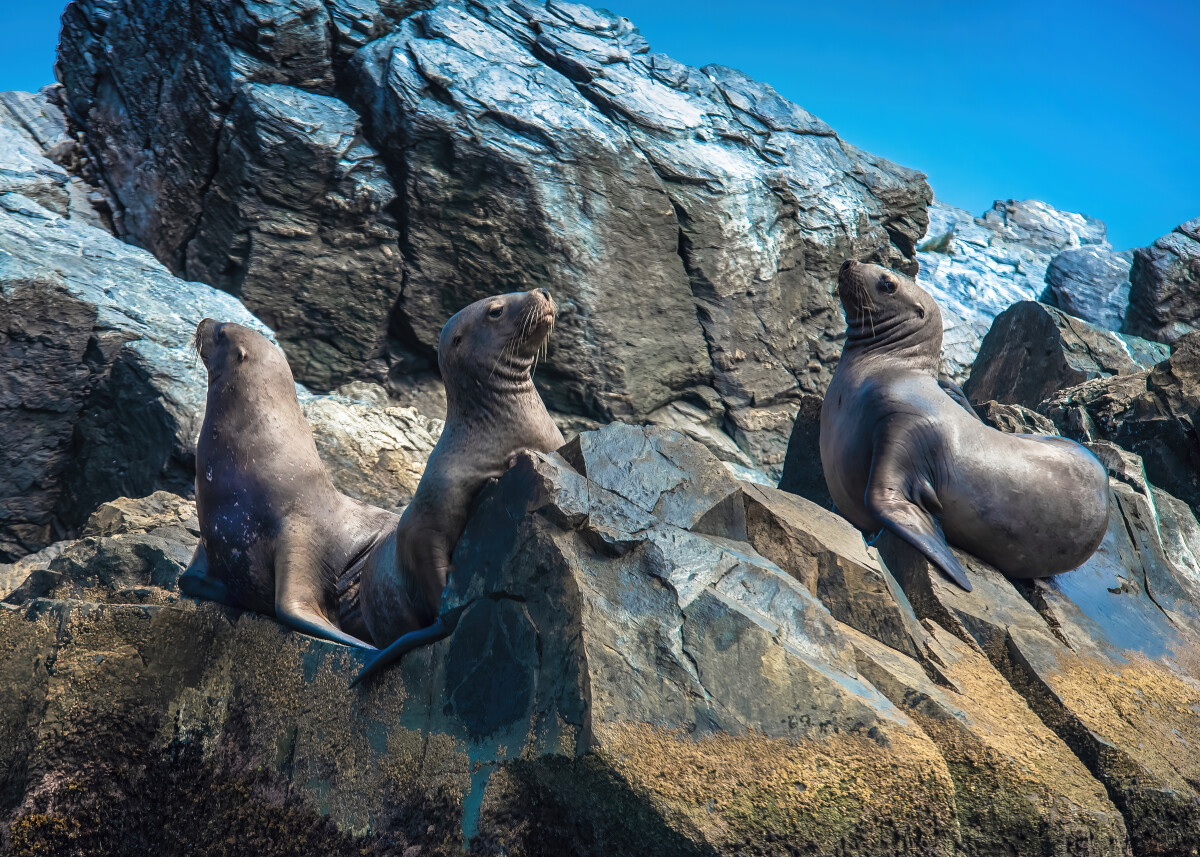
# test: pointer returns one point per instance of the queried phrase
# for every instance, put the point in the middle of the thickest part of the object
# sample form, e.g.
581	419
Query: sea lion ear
242	353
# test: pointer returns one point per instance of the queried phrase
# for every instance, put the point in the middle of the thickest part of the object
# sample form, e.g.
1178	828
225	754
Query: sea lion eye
457	339
496	312
886	286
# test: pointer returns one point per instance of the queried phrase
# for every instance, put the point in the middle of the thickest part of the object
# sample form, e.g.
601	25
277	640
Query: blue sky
1090	106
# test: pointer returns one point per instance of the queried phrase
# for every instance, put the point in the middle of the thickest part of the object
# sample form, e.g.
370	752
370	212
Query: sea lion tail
381	658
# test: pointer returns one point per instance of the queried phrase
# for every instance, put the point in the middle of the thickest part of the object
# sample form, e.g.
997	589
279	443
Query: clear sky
1091	106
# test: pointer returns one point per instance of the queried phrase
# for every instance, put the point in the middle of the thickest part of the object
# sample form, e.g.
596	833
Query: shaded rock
296	224
1034	350
131	551
101	396
1014	418
977	267
1105	655
802	473
1091	283
1165	286
1150	413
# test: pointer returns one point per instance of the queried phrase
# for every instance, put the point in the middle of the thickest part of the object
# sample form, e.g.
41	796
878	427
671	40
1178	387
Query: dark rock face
1091	283
1150	413
690	222
1034	350
1164	298
802	473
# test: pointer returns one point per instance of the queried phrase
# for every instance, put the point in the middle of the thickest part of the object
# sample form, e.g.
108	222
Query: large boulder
1164	296
1091	283
483	147
977	267
1033	350
629	673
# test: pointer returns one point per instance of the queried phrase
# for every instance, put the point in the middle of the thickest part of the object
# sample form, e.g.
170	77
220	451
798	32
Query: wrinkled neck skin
910	339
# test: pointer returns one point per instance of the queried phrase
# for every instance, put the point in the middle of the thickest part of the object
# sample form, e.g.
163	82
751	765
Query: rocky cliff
654	652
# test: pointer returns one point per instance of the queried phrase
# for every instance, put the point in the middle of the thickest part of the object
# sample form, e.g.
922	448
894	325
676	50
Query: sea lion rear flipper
197	580
887	500
412	640
956	393
299	594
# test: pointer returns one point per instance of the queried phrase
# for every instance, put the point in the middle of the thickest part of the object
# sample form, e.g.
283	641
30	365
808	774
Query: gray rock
1033	350
802	473
1164	297
1105	654
978	267
1151	413
1091	283
1014	419
527	146
296	223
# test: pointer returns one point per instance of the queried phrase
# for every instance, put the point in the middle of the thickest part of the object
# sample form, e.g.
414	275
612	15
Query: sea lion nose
544	293
846	265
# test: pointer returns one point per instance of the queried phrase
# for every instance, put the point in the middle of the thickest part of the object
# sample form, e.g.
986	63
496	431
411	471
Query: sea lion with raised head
899	452
486	353
275	535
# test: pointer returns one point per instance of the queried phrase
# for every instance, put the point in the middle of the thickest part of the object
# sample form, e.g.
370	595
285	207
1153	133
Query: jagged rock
1014	418
978	267
1151	413
1034	350
1091	283
802	473
1165	286
527	146
102	395
130	551
1106	655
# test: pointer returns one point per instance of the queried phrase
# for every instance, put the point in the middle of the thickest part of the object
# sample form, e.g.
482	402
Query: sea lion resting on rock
493	412
275	535
899	452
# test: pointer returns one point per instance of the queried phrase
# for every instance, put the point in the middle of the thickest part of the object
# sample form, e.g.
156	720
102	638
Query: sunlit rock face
355	173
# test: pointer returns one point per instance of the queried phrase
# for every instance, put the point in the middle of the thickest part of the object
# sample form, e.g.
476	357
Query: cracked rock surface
358	171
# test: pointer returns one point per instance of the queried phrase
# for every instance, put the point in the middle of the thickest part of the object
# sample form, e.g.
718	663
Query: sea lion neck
909	340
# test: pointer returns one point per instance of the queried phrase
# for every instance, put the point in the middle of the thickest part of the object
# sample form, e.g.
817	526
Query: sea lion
275	535
899	452
486	353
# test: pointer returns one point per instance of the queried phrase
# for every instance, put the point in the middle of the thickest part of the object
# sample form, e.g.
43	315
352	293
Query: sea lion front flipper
376	661
299	593
887	500
956	393
197	580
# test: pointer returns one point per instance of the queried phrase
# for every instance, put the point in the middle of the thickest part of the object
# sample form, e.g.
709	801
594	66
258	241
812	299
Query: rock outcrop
357	172
1091	283
649	657
1164	296
976	267
1033	350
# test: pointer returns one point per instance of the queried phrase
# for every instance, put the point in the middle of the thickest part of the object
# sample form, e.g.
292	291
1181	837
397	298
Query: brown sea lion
493	412
899	452
275	535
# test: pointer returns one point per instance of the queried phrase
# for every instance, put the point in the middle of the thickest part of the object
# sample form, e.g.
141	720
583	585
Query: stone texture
1150	413
1165	285
1106	655
1014	418
977	267
627	675
1091	283
518	145
802	473
1034	350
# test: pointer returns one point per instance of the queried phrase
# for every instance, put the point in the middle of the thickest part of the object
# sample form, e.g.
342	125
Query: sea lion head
228	349
496	338
887	308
